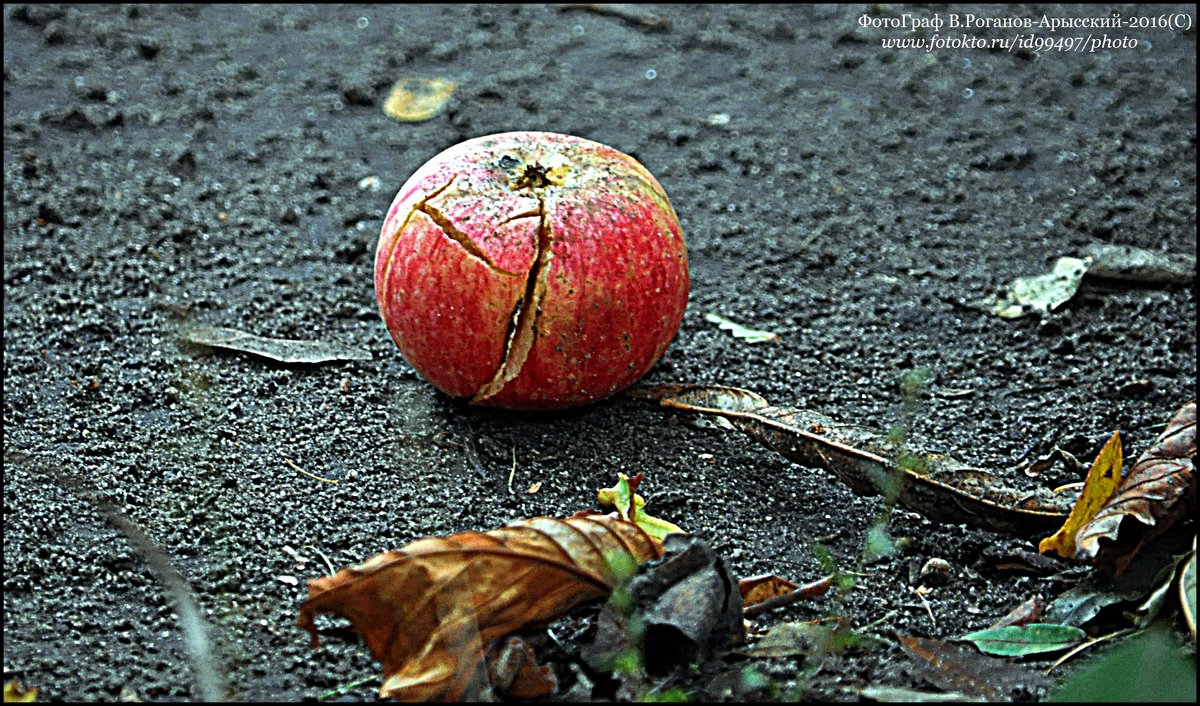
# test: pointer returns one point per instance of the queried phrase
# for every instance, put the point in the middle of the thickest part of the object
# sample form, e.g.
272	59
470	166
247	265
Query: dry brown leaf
757	589
964	670
1158	489
429	611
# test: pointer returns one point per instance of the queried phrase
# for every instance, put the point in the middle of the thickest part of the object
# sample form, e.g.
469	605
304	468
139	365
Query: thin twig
195	634
210	682
1086	645
328	564
288	462
625	11
339	690
513	472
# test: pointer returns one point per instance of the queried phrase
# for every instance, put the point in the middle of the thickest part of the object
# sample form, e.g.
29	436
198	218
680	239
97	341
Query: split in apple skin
532	271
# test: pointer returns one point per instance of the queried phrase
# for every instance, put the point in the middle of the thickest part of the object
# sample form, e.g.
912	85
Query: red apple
531	270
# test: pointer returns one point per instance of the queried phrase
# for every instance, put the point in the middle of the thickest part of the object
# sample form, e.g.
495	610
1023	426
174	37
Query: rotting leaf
933	484
745	333
1022	640
955	668
1158	489
413	100
1043	293
632	507
430	611
1102	481
1082	602
791	639
283	350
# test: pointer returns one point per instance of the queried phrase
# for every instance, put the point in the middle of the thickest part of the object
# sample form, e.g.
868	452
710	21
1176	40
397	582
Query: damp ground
175	166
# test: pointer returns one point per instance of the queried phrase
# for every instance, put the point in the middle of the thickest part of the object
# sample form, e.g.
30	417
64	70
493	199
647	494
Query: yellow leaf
1102	481
413	100
17	693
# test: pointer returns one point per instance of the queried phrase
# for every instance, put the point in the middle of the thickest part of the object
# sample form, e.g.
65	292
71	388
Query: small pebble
935	572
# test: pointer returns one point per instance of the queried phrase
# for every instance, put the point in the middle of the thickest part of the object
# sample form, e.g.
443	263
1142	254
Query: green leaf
1151	666
1021	640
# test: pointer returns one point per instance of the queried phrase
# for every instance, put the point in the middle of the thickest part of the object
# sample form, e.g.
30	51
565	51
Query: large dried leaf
429	611
1101	482
1158	489
939	487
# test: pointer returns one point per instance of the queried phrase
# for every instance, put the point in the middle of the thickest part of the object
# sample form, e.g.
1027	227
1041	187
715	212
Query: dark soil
172	166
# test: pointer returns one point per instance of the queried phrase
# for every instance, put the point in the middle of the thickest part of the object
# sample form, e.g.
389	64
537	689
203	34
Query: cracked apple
531	270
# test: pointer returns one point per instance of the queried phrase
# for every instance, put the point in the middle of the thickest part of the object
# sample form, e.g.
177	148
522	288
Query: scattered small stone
935	572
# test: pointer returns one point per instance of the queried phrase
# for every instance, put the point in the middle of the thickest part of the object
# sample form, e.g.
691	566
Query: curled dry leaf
1028	612
764	587
1158	489
430	611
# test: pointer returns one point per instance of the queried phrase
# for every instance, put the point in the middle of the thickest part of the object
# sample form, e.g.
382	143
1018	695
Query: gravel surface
167	167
